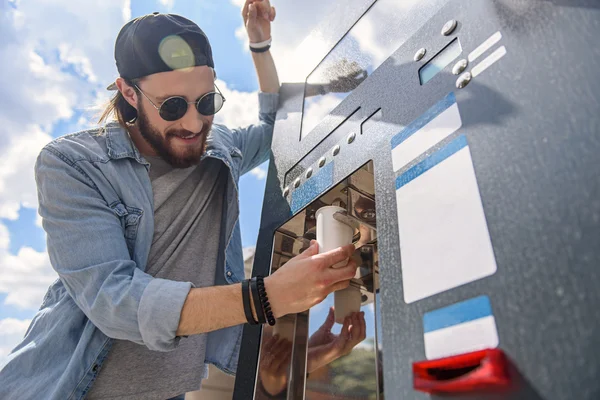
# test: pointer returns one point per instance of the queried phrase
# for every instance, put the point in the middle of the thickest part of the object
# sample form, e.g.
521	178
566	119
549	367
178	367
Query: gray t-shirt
187	220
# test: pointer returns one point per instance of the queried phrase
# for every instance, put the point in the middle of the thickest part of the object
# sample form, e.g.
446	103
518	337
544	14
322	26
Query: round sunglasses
175	107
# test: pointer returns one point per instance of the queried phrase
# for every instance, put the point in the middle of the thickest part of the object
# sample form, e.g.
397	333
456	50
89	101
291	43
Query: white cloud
24	277
240	108
60	56
11	332
259	173
168	4
17	184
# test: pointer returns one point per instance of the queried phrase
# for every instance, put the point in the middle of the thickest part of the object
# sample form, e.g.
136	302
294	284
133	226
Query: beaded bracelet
264	299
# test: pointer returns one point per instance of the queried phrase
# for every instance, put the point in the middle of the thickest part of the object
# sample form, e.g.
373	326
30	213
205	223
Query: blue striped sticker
431	161
424	119
313	187
465	311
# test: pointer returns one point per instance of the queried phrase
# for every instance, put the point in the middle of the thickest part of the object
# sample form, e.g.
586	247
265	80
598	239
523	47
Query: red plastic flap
479	370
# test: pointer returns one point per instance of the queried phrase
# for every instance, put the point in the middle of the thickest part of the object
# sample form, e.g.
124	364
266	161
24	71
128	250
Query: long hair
119	109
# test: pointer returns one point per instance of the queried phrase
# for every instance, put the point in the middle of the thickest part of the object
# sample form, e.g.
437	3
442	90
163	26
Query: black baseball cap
159	42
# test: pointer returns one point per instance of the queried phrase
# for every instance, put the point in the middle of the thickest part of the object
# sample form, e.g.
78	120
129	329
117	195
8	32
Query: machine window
380	31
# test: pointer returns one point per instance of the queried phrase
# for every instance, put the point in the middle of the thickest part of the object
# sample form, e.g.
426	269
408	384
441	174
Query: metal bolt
351	137
460	66
321	162
420	54
336	150
309	173
463	80
297	182
286	191
449	27
368	214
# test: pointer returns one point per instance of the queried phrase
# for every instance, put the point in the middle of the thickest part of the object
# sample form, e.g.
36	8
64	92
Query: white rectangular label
462	338
485	46
488	61
444	239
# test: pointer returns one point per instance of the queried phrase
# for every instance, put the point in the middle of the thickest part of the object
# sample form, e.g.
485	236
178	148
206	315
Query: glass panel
380	31
440	61
340	364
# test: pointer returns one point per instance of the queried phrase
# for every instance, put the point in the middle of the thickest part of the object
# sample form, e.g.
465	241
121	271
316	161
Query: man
142	228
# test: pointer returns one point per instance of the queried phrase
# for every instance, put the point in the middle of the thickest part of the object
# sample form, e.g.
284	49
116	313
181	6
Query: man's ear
127	91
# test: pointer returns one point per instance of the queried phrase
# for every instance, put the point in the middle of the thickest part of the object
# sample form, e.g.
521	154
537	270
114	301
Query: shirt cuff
268	102
159	313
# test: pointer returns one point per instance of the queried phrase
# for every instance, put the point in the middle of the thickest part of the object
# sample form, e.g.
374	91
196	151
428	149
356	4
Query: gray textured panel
533	127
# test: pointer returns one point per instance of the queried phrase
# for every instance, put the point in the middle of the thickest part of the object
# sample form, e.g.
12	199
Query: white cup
346	302
332	233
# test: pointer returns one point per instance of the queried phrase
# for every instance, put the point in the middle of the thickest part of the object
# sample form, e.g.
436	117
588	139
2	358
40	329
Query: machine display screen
440	61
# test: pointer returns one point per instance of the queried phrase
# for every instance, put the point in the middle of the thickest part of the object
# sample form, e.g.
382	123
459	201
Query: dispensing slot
475	371
299	374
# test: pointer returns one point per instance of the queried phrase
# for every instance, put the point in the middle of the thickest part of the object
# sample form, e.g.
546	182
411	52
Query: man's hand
323	335
308	278
324	347
274	362
258	15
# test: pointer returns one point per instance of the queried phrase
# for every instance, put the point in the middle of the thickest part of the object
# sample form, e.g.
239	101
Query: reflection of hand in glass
275	359
325	347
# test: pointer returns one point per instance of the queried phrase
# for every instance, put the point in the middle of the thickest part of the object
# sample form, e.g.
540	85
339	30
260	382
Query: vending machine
461	141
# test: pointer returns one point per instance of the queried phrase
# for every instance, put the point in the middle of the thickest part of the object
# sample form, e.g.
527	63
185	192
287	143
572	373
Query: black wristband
260	49
246	301
260	313
264	300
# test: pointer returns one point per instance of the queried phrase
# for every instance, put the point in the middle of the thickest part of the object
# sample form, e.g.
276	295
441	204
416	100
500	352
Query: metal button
463	80
420	54
286	191
229	274
322	162
309	173
95	368
336	150
460	66
297	182
351	137
449	27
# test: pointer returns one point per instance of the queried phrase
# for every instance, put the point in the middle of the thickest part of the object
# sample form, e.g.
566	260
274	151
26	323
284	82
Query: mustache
184	132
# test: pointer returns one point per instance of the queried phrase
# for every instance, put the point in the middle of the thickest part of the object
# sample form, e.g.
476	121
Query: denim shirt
96	202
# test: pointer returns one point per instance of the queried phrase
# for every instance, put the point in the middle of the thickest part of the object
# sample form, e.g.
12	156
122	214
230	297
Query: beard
163	146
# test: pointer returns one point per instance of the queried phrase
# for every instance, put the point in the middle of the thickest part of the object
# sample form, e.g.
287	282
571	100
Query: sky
57	58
